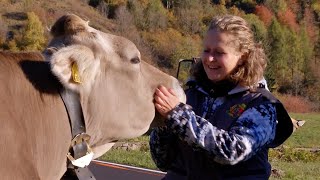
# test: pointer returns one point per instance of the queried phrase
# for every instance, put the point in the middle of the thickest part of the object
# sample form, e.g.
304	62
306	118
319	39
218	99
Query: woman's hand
165	100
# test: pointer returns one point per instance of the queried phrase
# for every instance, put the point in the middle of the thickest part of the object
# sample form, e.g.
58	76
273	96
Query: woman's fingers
159	100
164	90
164	97
165	100
160	93
161	109
172	92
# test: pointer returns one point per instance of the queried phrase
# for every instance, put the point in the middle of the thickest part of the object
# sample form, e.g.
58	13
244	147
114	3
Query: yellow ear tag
75	73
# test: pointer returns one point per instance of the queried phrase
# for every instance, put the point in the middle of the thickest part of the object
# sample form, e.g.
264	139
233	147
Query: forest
166	31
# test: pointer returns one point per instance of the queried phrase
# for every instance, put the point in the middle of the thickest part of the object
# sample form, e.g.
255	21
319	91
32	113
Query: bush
33	35
296	104
293	155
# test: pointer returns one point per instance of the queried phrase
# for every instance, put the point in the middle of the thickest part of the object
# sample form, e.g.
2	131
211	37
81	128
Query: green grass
136	158
297	170
308	135
288	161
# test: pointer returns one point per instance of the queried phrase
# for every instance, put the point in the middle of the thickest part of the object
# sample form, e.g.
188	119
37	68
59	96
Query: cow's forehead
113	43
100	39
73	30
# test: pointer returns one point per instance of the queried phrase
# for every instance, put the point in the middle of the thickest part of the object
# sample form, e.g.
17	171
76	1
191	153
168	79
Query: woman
228	124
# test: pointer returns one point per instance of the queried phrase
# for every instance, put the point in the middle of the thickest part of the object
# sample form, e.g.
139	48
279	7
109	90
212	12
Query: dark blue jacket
189	162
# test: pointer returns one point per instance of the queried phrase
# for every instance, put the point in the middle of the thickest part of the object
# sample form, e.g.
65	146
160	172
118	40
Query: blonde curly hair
253	66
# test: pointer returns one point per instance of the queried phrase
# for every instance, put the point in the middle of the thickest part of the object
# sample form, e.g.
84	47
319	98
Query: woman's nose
210	58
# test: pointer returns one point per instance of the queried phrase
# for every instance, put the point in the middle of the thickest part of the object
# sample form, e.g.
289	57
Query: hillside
13	20
168	30
12	12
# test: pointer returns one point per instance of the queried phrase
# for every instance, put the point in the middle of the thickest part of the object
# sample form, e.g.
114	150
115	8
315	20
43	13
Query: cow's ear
75	66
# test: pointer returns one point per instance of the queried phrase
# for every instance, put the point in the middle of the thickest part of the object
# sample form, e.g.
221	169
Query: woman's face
219	56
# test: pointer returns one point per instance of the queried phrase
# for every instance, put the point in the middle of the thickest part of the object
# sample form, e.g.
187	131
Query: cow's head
116	86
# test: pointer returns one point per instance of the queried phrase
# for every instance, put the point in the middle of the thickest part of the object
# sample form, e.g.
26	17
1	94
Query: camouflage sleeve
254	129
162	152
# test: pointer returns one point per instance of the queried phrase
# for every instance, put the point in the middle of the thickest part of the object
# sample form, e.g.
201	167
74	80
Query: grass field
296	159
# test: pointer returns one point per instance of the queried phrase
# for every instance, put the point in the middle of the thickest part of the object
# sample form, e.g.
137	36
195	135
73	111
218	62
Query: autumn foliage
166	31
264	14
288	18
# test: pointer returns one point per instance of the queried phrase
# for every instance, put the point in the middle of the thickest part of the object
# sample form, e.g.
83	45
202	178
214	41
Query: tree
33	35
136	8
155	15
288	18
276	5
219	9
309	22
258	27
9	45
278	54
307	52
103	8
169	4
296	8
109	7
246	5
316	8
187	49
236	11
127	28
264	14
295	62
189	16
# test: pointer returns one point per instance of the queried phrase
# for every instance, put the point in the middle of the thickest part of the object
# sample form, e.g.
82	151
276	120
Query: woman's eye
219	52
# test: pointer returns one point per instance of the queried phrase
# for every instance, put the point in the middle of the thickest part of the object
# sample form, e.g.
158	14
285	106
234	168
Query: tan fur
68	24
88	66
116	96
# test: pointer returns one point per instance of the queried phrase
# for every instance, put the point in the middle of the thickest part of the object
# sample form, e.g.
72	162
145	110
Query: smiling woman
228	124
218	57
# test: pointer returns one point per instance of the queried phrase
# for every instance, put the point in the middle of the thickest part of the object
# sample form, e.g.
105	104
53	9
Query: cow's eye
135	60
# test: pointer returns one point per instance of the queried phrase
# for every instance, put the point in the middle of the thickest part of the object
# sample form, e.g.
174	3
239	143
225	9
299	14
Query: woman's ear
243	58
75	66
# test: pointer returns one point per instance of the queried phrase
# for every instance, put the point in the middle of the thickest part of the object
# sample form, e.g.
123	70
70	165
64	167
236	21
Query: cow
115	89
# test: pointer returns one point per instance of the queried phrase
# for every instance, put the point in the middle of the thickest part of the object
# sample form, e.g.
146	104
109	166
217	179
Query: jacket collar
237	89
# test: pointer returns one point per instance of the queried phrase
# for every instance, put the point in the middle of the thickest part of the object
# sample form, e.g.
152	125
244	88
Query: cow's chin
157	121
100	150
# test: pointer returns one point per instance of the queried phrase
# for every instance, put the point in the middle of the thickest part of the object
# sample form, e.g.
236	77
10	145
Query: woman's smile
213	67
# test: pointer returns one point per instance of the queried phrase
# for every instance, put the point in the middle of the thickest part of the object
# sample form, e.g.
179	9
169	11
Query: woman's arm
254	129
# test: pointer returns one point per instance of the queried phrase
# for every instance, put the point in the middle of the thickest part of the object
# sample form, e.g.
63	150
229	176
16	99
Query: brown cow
116	92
